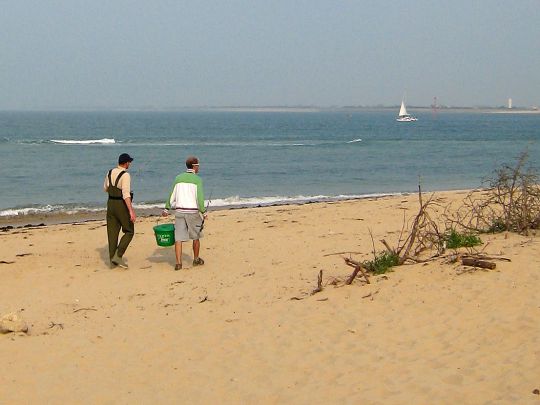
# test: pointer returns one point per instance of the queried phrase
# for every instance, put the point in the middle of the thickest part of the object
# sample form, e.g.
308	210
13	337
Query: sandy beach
244	328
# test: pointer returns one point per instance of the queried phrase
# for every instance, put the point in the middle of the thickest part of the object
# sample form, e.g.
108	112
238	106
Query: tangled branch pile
511	202
421	234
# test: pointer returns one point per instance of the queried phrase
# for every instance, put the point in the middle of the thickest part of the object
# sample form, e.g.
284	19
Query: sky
102	54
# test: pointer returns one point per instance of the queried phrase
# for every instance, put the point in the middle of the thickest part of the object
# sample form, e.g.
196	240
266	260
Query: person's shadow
166	255
160	255
104	254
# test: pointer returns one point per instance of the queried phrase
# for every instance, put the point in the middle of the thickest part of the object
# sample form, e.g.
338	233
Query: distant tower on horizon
434	105
510	103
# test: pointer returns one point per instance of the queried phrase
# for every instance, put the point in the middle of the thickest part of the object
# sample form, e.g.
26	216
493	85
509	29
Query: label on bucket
164	234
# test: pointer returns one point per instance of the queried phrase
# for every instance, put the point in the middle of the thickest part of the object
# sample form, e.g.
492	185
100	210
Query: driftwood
315	291
484	257
371	295
84	309
319	284
424	233
341	253
469	261
358	268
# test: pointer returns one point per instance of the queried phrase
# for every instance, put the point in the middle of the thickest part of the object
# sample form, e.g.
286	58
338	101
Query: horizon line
261	108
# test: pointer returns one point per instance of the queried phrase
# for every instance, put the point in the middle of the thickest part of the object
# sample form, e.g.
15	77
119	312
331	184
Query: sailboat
403	116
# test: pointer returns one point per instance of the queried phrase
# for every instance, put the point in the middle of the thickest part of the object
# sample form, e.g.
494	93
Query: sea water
57	161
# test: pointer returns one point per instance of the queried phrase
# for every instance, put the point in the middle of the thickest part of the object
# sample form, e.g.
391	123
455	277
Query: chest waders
118	218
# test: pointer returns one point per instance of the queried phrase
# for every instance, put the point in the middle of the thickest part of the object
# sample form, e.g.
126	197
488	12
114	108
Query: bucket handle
159	217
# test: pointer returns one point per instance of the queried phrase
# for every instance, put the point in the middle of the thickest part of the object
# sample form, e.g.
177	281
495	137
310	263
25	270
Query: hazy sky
119	53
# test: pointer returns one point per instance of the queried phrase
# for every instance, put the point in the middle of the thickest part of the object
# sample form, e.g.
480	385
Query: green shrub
456	240
497	226
382	263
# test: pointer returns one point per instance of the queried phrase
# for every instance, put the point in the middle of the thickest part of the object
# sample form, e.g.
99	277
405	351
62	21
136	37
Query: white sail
403	115
402	110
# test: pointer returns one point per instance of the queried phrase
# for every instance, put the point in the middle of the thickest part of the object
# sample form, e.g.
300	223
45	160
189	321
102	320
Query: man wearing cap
187	200
120	213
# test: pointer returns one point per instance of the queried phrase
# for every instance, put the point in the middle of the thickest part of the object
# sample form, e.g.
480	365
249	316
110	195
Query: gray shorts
187	226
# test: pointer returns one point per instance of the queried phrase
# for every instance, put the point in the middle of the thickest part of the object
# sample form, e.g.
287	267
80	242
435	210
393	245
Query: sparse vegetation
497	226
511	202
382	263
455	240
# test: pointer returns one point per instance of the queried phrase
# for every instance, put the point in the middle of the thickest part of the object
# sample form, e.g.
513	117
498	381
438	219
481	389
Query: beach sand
244	328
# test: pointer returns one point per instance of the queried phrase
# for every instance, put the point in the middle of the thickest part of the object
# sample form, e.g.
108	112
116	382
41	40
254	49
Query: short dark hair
191	161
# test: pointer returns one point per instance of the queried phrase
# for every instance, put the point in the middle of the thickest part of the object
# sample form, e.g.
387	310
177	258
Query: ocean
56	161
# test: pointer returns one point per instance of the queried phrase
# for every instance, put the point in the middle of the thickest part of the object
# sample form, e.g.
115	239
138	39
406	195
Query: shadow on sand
166	255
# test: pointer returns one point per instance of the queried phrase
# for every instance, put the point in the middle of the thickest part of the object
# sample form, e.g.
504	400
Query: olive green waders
118	218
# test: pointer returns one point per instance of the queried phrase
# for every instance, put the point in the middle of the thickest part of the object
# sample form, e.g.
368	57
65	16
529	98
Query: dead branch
342	253
424	233
510	202
84	309
371	295
482	256
466	261
319	284
358	268
390	250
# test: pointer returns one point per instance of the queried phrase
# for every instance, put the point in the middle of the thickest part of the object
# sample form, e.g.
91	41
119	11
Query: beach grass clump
382	262
455	240
497	225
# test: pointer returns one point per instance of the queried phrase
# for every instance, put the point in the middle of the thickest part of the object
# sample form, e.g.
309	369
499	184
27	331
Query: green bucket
164	234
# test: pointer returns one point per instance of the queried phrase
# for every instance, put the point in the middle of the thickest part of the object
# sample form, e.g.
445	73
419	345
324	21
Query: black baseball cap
124	158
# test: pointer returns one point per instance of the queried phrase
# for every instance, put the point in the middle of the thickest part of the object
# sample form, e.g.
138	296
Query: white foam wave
237	201
148	206
31	210
218	203
223	144
355	140
103	141
46	209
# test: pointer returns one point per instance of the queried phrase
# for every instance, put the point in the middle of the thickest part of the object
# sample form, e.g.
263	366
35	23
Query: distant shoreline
282	109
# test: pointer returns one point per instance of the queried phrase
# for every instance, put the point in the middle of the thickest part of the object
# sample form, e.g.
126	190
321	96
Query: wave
47	209
103	141
218	203
229	144
237	201
254	143
187	143
241	202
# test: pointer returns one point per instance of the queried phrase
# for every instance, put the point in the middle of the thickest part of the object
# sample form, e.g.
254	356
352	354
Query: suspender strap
114	188
118	178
